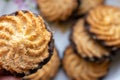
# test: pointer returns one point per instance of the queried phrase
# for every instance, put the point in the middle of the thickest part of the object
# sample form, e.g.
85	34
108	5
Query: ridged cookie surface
25	42
104	23
79	69
84	44
48	71
55	10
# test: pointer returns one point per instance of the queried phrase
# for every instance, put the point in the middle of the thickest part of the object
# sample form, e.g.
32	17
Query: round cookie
79	69
25	43
86	5
85	45
103	23
48	71
57	10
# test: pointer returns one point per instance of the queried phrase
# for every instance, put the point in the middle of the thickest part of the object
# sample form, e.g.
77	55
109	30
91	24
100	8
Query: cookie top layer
104	24
86	5
79	69
54	10
48	71
24	42
84	44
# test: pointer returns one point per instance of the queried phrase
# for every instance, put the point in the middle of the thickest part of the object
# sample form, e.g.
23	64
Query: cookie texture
84	44
86	5
25	43
79	69
54	10
104	23
48	71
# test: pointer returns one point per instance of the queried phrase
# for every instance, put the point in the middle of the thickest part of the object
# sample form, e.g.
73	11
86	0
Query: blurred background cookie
48	71
85	45
79	69
103	22
25	43
86	5
57	10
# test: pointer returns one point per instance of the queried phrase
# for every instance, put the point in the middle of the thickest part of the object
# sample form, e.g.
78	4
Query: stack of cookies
85	59
27	47
94	36
94	39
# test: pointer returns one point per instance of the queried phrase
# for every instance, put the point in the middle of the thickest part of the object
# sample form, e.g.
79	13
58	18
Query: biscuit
79	69
103	23
48	71
54	10
86	5
25	43
84	44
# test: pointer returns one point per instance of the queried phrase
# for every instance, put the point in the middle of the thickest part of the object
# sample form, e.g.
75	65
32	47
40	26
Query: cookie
86	5
103	23
48	71
54	10
85	45
25	43
79	69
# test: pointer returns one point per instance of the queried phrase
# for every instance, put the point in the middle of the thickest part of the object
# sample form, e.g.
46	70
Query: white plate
61	39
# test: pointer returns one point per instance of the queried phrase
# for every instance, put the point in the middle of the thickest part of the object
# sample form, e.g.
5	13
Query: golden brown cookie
104	23
25	43
79	69
84	44
48	71
86	5
57	10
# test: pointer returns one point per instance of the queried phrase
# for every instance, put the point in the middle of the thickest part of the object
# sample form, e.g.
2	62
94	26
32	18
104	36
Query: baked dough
86	5
25	42
48	71
79	69
84	44
104	23
57	10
